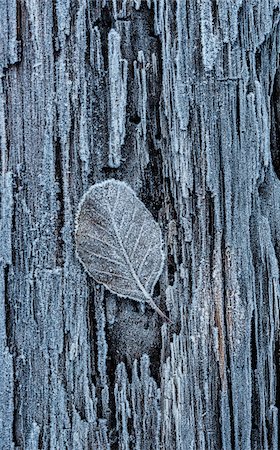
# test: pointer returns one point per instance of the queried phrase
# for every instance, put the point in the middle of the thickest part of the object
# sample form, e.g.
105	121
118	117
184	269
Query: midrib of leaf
133	273
147	296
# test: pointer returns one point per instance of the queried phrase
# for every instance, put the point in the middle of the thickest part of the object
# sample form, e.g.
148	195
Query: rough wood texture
180	100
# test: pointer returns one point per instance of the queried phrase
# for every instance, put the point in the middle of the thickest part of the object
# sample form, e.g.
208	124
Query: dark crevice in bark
157	197
156	289
155	364
9	316
228	352
62	363
14	229
104	23
60	201
255	364
228	361
93	342
169	212
41	441
254	359
275	14
215	13
111	370
114	440
225	60
277	371
218	406
19	7
172	268
17	438
210	220
56	47
99	168
158	124
238	112
170	202
255	431
5	137
275	124
75	5
88	38
258	63
152	190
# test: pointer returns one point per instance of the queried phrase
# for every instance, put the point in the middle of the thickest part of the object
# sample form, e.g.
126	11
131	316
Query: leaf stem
151	302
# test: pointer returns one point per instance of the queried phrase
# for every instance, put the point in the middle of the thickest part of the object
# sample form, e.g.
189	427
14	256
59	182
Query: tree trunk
181	101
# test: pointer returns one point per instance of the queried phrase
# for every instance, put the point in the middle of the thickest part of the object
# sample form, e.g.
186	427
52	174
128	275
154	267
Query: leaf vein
143	260
116	200
113	274
118	262
138	239
101	240
130	225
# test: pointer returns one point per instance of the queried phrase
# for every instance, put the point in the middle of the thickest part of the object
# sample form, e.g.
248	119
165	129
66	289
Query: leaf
118	241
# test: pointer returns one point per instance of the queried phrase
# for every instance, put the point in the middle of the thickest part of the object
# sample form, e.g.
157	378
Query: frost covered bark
180	99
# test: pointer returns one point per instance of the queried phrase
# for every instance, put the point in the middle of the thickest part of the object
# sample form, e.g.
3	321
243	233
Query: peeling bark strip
118	93
180	100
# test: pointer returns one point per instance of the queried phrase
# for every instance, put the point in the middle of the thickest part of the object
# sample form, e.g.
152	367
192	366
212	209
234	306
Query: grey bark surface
181	100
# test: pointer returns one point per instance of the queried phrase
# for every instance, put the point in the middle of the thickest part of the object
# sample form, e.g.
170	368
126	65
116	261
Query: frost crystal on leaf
118	241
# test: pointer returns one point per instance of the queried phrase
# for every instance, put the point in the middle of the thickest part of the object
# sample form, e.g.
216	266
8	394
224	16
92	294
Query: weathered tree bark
180	100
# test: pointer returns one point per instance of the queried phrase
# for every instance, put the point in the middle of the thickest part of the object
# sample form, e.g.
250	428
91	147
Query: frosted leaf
118	241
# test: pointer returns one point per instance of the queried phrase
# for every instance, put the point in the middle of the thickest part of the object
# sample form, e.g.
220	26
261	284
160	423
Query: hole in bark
135	119
275	124
158	136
